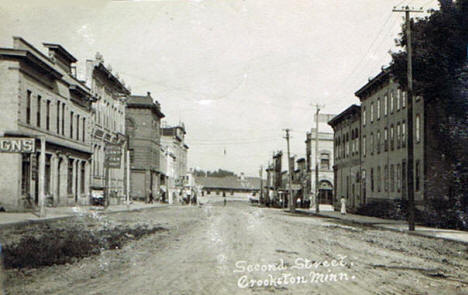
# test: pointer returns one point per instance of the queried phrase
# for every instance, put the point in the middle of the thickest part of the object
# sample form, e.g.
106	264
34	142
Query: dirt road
240	249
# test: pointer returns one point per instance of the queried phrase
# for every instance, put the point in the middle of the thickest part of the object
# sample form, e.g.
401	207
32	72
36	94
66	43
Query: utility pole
410	150
291	203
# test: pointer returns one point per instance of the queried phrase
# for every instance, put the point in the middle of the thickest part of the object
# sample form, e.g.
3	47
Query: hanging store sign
113	156
17	145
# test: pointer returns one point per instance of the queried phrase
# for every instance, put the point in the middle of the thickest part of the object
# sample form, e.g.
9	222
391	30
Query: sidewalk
394	225
58	213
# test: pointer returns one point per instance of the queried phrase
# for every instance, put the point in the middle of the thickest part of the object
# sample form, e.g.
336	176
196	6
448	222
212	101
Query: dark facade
143	117
347	152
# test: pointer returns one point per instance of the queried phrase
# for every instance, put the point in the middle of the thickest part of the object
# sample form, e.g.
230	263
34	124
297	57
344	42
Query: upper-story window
77	127
63	119
398	135
28	107
403	99
38	111
398	98
385	139
83	136
57	114
378	108
403	134
71	124
392	141
392	98
418	128
325	161
372	143
385	104
364	116
372	112
364	146
48	115
378	142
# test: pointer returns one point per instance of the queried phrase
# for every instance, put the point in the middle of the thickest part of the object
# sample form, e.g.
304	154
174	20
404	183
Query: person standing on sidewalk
343	206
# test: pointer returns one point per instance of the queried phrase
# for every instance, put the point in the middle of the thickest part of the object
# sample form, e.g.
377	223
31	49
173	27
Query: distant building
41	97
143	118
325	164
108	126
175	152
229	185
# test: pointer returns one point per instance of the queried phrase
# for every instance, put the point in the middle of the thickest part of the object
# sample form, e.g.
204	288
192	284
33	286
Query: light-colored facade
384	149
325	163
108	126
379	168
41	97
176	150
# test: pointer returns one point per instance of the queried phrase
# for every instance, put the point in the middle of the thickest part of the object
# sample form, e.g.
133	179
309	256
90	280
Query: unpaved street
243	249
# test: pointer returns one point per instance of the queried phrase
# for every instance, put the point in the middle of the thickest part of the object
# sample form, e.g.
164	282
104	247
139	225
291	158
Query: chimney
242	177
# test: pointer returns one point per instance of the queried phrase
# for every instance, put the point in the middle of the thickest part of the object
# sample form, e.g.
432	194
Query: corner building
41	97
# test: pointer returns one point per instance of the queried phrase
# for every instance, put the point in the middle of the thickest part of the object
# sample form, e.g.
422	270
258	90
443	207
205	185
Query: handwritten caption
302	271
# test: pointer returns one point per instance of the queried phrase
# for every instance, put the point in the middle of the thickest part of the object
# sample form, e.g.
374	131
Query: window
372	143
38	111
392	138
398	184
398	99
58	117
48	115
70	176
403	134
418	128
364	146
378	142
28	107
83	130
372	112
47	174
392	97
385	104
403	99
83	178
385	139
403	178
398	131
378	108
71	124
417	175
364	116
63	119
392	178
379	179
25	173
386	178
77	127
372	179
325	161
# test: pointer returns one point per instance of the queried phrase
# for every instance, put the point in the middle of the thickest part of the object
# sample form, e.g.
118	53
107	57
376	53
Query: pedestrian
343	206
225	201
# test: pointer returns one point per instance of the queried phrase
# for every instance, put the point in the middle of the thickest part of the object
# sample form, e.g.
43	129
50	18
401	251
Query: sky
235	72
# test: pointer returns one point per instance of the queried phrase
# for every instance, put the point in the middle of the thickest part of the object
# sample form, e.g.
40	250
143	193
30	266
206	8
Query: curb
374	225
65	217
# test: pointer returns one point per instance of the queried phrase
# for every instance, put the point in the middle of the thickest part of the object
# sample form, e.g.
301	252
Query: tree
440	76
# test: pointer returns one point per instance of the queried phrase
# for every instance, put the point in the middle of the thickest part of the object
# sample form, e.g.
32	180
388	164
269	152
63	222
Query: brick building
108	118
347	167
143	118
41	97
383	152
